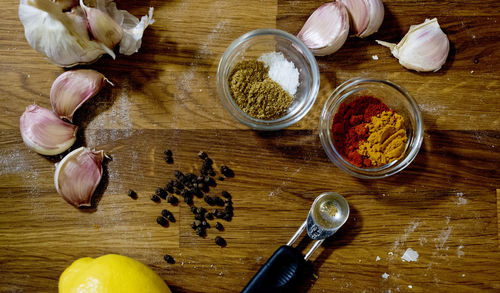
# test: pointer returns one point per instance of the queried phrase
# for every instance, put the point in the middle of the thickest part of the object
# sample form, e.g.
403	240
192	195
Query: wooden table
444	205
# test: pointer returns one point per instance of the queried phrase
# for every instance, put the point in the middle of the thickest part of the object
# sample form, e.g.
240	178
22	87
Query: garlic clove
424	48
78	175
103	28
366	16
133	29
55	34
80	24
43	132
72	88
326	30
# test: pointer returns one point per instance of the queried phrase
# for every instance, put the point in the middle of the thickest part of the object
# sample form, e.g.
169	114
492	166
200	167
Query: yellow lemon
110	273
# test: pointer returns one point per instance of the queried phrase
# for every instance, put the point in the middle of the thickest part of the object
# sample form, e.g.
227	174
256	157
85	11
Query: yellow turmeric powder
387	139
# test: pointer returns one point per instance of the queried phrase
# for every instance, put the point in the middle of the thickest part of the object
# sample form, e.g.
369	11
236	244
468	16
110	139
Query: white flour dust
442	238
460	253
284	183
12	162
408	230
461	200
116	119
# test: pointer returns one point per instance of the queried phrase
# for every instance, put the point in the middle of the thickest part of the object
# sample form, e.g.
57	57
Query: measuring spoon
328	213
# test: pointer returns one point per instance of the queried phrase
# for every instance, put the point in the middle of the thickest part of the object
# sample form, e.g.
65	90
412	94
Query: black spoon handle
278	273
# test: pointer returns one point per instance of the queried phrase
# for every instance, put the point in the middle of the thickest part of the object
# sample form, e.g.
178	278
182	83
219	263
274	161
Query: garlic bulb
366	16
64	38
43	132
424	48
78	175
72	88
53	33
103	28
326	30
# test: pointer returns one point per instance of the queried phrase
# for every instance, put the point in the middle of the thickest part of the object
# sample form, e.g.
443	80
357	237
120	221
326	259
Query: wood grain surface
444	205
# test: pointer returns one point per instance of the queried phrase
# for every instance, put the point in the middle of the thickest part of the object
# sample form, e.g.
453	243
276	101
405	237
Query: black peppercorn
165	213
218	201
169	259
161	193
220	241
225	194
227	217
219	226
188	200
221	178
155	198
162	221
169	187
208	199
202	155
168	153
172	199
169	160
200	231
209	216
226	171
132	194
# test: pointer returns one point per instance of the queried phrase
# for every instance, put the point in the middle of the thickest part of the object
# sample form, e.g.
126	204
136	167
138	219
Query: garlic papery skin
424	48
73	88
366	16
102	27
78	175
56	35
326	30
43	132
133	29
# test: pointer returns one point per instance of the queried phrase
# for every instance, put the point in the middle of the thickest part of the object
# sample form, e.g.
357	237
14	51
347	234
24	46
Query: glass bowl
251	46
394	96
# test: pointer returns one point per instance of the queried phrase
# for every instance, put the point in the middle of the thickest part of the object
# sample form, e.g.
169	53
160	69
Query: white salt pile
385	275
410	255
281	71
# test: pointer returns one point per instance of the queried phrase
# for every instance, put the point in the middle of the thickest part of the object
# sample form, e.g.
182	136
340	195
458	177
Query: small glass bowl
251	46
394	96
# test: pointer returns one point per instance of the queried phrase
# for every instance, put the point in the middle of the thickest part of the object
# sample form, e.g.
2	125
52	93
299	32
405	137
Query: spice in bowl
368	133
263	88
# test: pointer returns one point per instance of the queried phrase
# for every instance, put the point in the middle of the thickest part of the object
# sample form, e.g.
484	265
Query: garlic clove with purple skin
78	175
326	30
102	26
43	132
424	48
366	16
72	88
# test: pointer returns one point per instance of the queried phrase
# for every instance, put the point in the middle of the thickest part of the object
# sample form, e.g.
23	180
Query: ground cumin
256	93
386	139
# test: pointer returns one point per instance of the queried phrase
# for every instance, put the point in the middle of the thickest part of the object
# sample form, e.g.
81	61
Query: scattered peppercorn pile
367	133
190	186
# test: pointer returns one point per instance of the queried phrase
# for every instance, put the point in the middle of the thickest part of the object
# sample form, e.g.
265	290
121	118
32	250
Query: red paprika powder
348	127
